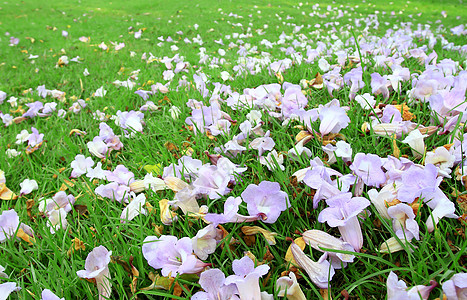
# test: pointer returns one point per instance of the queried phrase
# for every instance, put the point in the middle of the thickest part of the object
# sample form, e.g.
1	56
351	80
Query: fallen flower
97	268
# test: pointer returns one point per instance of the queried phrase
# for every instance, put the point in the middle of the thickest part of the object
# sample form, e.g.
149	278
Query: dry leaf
77	132
76	245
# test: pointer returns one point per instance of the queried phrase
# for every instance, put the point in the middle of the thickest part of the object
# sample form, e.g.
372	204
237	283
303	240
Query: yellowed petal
175	183
268	235
289	256
6	193
167	216
25	237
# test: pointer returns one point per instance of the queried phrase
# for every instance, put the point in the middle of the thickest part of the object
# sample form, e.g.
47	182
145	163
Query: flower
265	200
134	208
319	272
318	239
48	295
368	167
342	213
246	278
205	241
289	287
416	143
97	268
171	255
456	287
213	283
7	288
27	186
59	200
398	289
81	165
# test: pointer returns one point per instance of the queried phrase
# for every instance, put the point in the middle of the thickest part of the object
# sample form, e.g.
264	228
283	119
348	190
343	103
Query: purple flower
342	213
403	221
59	200
456	287
265	200
354	79
368	168
130	120
9	223
398	289
319	179
262	144
33	109
7	288
212	182
213	283
171	255
115	191
48	295
246	277
333	119
121	175
320	272
96	267
230	214
81	165
379	85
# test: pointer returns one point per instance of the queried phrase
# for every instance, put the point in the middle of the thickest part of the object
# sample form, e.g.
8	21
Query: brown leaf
76	245
170	146
29	205
396	152
82	210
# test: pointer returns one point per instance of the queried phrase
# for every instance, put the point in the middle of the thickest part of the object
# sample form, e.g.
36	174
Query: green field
76	48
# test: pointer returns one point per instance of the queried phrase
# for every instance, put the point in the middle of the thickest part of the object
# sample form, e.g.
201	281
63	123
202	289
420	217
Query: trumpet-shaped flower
133	209
171	255
368	167
289	287
205	241
398	289
320	272
318	238
266	199
48	295
97	269
59	200
246	278
416	143
456	287
342	213
213	283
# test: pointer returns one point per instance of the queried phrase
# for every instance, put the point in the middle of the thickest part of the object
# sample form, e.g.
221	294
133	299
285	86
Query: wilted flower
289	287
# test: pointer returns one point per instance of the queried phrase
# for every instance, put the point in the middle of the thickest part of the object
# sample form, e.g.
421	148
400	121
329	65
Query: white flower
415	141
86	72
100	92
225	75
272	160
174	112
324	65
57	220
22	137
27	186
10	153
366	101
133	209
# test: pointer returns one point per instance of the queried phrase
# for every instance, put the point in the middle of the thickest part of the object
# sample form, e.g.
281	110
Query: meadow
233	149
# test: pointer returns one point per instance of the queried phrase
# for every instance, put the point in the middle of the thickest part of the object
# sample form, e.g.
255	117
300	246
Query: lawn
233	149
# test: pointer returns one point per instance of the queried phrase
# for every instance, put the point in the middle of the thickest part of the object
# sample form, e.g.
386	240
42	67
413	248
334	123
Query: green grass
46	264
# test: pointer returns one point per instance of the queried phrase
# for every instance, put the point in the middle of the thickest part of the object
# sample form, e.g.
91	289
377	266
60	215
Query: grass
95	221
